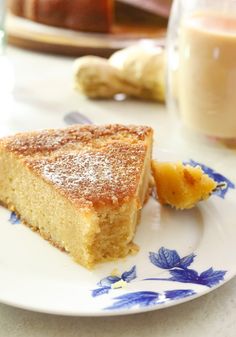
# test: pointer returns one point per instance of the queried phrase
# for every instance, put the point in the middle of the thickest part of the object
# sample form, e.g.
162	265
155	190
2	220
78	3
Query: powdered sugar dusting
100	177
89	164
64	170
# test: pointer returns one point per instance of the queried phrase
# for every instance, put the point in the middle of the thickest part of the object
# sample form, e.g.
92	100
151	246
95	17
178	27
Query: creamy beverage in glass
207	73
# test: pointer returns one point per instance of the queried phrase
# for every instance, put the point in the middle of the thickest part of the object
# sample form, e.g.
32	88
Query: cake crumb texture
82	187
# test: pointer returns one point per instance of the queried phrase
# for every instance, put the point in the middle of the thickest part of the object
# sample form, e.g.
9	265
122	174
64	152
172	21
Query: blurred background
80	27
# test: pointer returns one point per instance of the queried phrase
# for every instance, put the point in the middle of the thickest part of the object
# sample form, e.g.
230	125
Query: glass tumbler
201	75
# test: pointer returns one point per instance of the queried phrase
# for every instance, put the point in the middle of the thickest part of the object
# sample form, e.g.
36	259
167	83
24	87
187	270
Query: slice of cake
82	187
181	186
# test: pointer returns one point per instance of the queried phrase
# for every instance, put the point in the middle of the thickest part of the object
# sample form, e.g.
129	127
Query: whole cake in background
91	15
88	15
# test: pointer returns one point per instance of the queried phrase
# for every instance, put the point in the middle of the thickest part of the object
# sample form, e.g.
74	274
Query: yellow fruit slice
181	186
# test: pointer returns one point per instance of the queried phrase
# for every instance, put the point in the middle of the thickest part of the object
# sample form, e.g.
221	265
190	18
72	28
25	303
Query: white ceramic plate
183	255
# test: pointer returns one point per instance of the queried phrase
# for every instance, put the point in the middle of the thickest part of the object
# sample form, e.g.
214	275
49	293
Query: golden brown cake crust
50	140
96	172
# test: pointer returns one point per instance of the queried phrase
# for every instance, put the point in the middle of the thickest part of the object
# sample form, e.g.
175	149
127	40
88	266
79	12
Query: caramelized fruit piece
181	186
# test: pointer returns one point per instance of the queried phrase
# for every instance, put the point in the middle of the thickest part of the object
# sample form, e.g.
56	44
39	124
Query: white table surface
43	93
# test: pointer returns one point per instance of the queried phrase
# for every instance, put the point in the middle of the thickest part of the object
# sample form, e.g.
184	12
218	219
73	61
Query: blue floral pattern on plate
179	271
177	267
222	181
14	220
114	282
148	298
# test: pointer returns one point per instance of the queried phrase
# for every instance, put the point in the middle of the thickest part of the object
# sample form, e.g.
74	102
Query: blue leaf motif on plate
211	277
108	281
148	298
130	275
208	278
129	300
14	220
165	258
179	271
179	293
219	178
186	261
105	284
100	291
184	275
168	259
